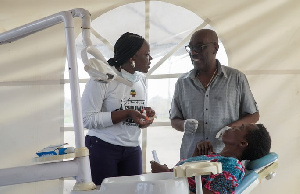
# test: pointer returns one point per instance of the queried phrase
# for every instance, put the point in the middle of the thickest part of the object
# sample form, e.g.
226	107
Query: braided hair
259	143
125	48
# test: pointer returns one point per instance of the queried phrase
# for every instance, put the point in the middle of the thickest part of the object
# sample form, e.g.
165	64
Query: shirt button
205	122
206	138
206	95
207	109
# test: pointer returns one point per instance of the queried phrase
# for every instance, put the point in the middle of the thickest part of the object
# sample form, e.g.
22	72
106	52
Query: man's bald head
207	35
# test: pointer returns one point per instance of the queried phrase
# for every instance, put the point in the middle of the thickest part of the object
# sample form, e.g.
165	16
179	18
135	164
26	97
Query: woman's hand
149	118
137	117
142	120
150	113
203	148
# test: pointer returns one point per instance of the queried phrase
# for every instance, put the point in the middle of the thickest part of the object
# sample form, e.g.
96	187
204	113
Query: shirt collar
192	73
221	69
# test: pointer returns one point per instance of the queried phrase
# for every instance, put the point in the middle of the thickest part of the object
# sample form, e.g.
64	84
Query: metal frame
80	166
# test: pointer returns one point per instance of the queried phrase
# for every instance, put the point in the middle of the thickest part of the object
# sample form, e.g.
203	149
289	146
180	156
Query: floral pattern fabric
222	183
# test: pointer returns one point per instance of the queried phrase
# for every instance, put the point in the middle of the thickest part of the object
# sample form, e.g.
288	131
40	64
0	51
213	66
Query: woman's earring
133	64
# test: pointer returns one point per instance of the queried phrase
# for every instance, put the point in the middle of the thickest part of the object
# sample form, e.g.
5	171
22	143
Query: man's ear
215	51
243	144
216	47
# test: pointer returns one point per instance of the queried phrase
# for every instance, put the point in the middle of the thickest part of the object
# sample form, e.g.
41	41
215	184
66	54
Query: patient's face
236	134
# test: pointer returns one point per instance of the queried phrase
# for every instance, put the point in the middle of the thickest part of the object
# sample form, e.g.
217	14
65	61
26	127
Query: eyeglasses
197	48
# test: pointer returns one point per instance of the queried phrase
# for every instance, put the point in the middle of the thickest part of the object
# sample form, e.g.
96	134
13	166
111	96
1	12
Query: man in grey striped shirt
209	97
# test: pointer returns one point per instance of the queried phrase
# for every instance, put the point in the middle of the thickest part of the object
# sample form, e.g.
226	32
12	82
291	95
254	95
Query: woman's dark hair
125	48
259	143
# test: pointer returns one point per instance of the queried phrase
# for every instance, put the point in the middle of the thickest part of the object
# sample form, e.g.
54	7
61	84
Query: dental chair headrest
261	162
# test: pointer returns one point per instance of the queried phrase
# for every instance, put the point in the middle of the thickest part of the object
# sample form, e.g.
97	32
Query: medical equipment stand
80	166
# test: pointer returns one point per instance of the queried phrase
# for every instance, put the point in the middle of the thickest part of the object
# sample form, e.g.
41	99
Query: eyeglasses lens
197	48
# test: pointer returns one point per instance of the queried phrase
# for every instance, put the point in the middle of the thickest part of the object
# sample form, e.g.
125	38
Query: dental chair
257	171
176	182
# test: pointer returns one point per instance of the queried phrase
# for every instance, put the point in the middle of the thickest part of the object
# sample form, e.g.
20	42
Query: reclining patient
246	142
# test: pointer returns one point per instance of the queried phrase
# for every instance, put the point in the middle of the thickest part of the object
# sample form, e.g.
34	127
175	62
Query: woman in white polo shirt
112	112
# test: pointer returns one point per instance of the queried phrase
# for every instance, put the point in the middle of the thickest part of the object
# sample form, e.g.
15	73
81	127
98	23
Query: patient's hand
156	167
203	148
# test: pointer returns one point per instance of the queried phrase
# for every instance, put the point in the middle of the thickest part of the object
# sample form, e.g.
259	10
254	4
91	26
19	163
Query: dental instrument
155	158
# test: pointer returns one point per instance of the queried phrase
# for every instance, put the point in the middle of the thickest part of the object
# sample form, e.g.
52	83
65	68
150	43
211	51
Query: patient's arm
156	167
206	191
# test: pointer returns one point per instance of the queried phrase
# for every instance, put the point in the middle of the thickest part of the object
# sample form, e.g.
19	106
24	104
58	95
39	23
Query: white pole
83	179
33	27
198	185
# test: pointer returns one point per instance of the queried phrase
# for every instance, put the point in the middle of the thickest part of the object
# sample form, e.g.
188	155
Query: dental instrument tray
56	153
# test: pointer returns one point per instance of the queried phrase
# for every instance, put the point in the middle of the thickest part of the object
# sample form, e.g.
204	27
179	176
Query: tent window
167	35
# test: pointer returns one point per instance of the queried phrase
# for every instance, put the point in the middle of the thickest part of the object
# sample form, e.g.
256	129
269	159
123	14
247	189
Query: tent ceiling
247	28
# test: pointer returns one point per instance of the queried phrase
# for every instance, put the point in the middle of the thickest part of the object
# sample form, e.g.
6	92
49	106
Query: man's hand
190	126
203	148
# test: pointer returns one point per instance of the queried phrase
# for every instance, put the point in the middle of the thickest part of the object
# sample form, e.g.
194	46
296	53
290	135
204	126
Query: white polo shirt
100	99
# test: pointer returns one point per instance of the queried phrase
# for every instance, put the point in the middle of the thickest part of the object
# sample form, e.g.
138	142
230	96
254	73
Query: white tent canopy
260	38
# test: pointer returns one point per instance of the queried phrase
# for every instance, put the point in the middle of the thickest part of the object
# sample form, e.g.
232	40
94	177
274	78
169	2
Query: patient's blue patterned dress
225	182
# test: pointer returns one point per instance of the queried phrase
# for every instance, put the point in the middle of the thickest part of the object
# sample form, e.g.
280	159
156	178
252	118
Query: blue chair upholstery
259	163
253	165
248	180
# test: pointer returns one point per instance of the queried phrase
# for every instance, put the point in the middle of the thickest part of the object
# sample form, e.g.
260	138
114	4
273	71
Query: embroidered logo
132	93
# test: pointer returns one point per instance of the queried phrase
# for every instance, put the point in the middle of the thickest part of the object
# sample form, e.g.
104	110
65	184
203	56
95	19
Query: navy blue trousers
108	160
